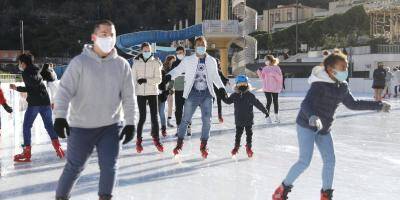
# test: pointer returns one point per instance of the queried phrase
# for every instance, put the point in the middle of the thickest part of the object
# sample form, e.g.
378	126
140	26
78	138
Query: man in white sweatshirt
91	92
201	72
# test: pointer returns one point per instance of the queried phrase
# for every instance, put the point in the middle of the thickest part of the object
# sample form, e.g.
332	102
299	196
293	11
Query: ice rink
367	145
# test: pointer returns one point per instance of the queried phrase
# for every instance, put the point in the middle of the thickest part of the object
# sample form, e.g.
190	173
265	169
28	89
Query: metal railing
212	27
9	78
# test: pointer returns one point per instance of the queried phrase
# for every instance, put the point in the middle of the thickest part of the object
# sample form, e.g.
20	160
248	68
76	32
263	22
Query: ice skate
25	156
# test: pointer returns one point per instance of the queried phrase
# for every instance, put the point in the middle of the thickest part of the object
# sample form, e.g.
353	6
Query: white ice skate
268	120
277	120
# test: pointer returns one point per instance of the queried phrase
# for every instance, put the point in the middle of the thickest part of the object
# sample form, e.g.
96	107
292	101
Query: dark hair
102	22
144	44
47	73
333	58
26	58
180	48
201	39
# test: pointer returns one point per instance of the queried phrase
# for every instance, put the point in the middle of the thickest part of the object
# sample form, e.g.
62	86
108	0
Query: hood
140	56
88	51
249	88
319	74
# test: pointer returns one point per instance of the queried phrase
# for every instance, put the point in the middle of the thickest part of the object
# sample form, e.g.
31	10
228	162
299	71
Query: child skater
315	119
244	101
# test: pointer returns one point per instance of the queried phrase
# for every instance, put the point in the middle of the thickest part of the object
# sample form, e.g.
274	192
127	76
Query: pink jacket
272	79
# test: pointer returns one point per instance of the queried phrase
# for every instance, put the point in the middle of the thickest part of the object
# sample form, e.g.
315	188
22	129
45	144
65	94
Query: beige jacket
151	71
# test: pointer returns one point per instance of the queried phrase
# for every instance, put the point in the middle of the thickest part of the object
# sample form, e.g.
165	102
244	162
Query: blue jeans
30	116
307	138
202	99
161	112
81	143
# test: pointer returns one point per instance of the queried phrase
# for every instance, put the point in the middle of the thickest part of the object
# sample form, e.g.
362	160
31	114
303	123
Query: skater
396	81
315	119
3	102
201	73
272	80
164	92
379	82
225	81
50	76
38	103
244	101
388	83
178	86
93	88
146	72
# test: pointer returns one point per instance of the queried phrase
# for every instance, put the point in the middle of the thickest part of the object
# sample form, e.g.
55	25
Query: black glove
142	80
61	124
128	132
167	78
222	93
7	108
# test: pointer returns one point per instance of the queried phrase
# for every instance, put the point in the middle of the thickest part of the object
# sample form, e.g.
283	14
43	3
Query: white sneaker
268	120
277	120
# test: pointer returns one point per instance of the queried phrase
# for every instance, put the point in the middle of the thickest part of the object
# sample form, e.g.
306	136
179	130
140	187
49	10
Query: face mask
146	55
341	75
201	50
20	68
267	63
242	88
180	56
105	44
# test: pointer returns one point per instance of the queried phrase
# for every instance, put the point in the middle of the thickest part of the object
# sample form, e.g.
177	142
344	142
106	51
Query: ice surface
367	147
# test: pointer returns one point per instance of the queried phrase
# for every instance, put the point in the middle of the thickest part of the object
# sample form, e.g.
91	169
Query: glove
385	107
61	124
127	132
7	108
315	121
260	69
167	78
222	93
171	92
142	80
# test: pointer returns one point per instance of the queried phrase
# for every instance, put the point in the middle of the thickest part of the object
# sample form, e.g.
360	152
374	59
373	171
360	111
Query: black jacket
175	64
243	103
34	86
162	97
379	78
323	99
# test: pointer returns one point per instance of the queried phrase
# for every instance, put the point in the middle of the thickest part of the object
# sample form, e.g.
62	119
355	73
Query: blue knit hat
242	79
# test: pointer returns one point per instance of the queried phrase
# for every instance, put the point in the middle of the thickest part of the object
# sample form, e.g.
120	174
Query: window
289	16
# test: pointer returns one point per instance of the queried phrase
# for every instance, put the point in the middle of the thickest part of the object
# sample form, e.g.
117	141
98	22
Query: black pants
179	102
396	89
272	96
239	133
219	107
152	101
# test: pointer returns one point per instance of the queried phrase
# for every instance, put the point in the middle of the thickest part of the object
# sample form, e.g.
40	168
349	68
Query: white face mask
105	44
267	63
20	68
180	56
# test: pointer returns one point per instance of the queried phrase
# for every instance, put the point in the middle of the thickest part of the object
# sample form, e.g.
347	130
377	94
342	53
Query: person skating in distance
92	91
314	121
201	72
244	101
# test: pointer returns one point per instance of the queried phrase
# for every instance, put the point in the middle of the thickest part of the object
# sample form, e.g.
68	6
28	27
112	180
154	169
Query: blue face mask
146	55
201	50
341	75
